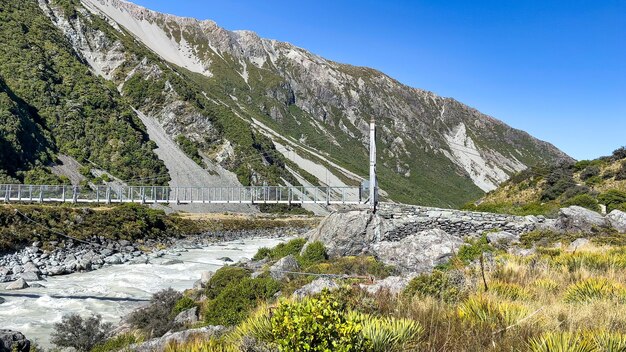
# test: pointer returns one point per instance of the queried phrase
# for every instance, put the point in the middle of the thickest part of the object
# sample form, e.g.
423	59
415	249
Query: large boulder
316	287
18	284
346	233
420	252
577	219
282	267
394	284
617	219
189	316
11	341
502	238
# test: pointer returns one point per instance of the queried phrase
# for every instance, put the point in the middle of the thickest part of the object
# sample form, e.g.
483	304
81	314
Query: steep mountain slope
593	184
271	112
50	103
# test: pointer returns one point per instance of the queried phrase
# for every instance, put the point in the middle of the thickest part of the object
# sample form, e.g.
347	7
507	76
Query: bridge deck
181	195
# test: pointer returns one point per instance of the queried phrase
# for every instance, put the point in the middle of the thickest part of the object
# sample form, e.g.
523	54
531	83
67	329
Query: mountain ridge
295	116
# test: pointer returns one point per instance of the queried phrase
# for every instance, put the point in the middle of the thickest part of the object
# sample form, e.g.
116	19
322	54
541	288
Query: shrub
583	200
591	289
183	304
156	318
619	154
282	250
621	173
560	341
314	253
235	302
612	199
508	290
292	247
223	277
262	253
81	334
436	285
316	324
481	310
473	249
118	343
589	172
388	334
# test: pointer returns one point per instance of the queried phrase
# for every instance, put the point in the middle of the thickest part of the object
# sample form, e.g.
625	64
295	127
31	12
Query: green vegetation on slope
51	103
543	190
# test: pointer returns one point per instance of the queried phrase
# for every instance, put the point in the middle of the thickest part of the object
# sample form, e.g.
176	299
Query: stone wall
409	220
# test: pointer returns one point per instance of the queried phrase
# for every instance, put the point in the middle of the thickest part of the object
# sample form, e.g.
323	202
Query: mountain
598	184
249	110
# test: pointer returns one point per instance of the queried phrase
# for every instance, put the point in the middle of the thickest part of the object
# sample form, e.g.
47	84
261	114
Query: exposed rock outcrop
346	233
315	287
617	219
577	219
282	267
12	341
420	252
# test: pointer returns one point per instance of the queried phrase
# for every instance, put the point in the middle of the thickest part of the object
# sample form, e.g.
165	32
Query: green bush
314	253
223	277
80	334
263	253
589	172
316	324
282	250
117	343
235	302
183	304
436	285
473	249
613	199
583	200
156	319
621	173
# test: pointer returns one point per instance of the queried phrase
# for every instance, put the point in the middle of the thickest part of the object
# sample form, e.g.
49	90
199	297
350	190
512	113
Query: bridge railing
182	195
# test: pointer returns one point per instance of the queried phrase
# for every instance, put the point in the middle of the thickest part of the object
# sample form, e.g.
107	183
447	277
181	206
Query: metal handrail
180	194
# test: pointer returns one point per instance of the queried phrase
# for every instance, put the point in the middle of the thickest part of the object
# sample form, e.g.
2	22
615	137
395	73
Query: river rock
189	316
345	233
315	287
30	276
577	219
13	341
113	259
225	259
56	270
617	218
420	252
18	284
2	300
288	263
172	262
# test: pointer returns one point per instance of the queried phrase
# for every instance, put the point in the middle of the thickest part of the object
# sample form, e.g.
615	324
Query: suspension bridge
328	195
11	193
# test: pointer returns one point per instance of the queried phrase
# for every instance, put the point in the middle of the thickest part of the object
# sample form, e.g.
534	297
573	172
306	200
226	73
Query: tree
81	334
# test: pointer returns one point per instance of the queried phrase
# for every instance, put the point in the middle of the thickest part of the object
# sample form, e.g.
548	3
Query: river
112	291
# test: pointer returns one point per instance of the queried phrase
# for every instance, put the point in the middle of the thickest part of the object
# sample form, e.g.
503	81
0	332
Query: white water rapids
112	291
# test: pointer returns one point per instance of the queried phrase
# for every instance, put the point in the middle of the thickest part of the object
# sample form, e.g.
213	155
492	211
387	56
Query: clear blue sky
556	69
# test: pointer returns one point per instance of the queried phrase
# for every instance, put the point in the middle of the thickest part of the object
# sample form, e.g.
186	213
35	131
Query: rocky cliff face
198	79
